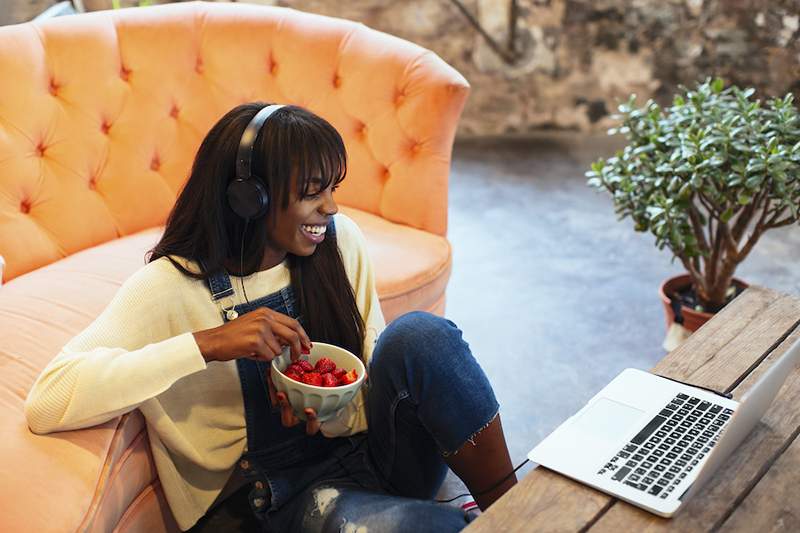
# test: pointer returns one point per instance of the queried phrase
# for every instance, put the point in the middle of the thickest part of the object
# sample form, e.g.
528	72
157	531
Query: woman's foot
472	510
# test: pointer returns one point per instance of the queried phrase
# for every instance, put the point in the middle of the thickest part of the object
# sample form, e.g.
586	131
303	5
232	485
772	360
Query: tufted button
399	98
54	87
93	183
386	173
259	485
198	65
25	206
337	81
416	147
361	129
244	464
259	502
174	111
41	149
125	73
155	163
105	127
273	67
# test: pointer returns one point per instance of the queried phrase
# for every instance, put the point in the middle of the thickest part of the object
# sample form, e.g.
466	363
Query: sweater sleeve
352	418
127	356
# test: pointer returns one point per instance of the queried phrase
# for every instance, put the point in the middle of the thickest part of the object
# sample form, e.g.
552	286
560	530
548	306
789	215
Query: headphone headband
244	156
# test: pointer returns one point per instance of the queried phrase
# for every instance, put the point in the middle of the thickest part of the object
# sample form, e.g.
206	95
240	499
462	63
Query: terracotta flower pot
692	320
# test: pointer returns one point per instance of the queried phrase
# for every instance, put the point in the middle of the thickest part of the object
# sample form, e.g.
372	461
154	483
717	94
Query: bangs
299	145
319	154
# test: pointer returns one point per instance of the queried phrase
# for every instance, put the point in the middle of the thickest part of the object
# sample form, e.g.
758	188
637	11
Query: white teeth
315	230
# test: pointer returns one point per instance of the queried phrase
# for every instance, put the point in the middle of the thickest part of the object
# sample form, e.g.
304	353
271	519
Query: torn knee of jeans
471	438
351	527
324	498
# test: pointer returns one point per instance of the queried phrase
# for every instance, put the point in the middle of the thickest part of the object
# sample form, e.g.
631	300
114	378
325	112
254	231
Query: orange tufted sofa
100	117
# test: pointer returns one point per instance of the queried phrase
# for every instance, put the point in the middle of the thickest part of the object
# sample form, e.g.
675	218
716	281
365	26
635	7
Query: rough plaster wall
579	58
14	11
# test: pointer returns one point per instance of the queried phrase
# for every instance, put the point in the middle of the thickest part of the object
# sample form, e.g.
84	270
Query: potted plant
707	176
83	6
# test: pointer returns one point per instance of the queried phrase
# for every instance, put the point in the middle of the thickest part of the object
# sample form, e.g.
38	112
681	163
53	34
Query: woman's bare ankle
483	462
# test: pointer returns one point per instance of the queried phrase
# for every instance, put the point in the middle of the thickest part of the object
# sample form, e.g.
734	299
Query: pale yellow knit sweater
140	353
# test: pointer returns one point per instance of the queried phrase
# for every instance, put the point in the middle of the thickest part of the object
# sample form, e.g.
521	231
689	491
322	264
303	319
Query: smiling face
300	226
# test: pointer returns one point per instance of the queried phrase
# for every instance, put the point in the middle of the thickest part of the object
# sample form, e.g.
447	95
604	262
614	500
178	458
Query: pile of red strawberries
323	374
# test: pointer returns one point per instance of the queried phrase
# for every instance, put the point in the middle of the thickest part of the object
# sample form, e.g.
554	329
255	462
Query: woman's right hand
259	334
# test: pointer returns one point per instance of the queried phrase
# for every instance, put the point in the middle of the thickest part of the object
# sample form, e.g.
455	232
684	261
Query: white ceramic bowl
324	400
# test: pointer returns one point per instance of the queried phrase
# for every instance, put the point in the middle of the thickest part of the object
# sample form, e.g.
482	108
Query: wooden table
756	490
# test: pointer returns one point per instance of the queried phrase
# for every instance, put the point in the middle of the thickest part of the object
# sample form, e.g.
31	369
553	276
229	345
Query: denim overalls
280	462
427	394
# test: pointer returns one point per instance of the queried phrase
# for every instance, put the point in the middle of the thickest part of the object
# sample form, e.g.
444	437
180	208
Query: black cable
241	262
727	395
364	441
487	490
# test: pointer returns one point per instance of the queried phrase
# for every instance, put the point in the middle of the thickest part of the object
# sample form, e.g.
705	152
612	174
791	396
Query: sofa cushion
412	266
76	472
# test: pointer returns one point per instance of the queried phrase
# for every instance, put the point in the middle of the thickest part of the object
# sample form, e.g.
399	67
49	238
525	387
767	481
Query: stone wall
578	58
14	11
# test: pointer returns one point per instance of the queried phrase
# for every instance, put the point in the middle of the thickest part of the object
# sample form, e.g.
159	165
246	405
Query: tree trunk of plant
716	296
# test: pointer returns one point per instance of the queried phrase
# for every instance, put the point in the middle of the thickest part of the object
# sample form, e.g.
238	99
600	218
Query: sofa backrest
101	115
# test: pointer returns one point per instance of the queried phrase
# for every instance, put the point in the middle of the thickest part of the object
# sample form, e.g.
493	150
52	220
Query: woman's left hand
288	418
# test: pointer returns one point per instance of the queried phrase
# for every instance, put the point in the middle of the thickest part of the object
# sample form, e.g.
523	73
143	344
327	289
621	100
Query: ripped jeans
428	396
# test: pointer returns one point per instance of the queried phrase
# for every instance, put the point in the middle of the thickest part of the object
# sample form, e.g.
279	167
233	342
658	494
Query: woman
189	345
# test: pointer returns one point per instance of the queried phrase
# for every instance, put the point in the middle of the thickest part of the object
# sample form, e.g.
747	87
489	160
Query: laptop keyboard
669	447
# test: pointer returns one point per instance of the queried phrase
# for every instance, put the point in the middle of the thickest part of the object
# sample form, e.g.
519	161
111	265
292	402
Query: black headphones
247	197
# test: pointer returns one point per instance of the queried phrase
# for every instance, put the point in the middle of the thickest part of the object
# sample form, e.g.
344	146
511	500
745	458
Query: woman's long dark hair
202	227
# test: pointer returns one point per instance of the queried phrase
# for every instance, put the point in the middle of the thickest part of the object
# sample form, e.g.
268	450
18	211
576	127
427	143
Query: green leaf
753	182
717	85
744	199
734	180
644	149
726	215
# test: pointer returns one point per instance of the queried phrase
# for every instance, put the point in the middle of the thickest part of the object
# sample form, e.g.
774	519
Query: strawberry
325	365
339	373
305	365
329	380
312	378
349	377
296	368
295	376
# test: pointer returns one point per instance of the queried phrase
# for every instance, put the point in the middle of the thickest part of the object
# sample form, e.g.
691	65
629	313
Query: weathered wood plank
773	504
719	355
726	349
736	478
538	503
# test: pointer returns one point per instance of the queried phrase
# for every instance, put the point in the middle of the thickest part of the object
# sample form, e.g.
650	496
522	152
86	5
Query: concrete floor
553	293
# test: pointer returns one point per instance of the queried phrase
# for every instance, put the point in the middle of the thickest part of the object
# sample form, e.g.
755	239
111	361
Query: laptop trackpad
607	420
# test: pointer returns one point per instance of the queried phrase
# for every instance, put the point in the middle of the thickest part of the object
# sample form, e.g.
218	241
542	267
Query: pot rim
682	280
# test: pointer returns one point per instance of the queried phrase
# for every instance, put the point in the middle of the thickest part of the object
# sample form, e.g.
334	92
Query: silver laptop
654	442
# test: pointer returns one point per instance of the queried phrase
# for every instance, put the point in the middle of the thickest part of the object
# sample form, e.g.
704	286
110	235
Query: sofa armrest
409	101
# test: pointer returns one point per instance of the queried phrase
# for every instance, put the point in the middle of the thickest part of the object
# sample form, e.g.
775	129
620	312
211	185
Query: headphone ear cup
248	198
